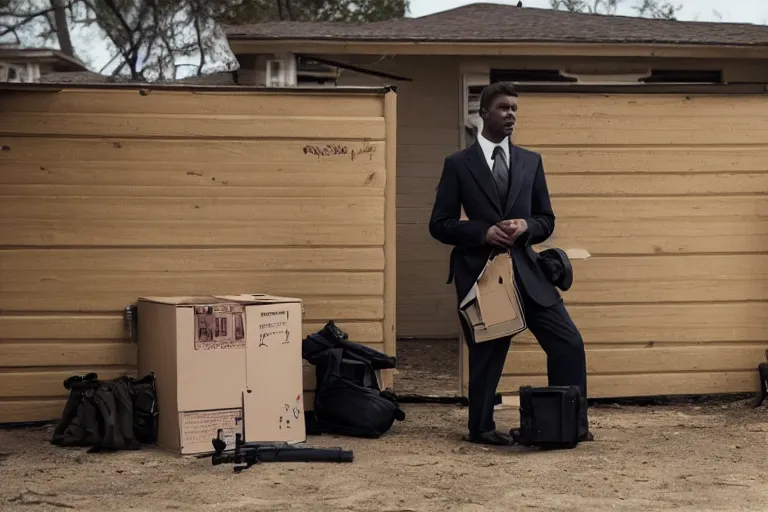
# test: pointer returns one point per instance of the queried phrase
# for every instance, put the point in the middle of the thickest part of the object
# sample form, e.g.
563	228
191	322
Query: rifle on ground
247	454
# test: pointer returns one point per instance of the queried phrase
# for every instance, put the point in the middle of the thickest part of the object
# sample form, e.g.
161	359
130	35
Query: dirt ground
699	457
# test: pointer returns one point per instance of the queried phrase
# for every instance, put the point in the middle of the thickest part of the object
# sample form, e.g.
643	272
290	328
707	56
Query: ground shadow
427	367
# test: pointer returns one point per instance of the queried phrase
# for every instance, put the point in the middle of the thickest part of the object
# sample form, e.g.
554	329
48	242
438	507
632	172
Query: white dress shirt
488	147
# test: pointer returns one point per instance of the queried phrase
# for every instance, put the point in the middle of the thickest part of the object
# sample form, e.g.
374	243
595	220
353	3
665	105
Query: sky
735	11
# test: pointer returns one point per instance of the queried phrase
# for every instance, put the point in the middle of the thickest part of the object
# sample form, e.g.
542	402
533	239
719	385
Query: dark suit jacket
467	181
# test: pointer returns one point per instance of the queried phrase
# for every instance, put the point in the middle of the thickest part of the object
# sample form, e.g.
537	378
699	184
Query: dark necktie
501	174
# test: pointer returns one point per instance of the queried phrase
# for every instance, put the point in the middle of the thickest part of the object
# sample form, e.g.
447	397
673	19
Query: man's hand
498	237
513	228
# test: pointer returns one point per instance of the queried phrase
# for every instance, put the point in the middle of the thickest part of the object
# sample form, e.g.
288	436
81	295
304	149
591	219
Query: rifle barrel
306	455
283	454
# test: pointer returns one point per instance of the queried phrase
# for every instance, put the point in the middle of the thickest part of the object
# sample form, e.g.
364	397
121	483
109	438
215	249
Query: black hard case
549	416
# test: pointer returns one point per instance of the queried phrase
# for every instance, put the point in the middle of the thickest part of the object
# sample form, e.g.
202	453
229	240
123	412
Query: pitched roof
484	22
75	77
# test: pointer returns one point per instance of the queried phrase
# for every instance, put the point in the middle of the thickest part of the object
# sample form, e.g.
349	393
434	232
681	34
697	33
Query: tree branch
104	68
122	52
24	21
199	42
61	27
120	19
162	60
134	36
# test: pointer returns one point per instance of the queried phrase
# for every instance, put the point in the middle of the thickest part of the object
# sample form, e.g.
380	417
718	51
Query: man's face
500	118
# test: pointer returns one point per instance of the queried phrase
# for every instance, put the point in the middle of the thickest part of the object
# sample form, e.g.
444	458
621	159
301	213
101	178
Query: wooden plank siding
667	192
625	194
108	195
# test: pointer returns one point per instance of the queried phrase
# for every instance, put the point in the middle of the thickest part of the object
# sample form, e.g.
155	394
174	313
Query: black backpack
348	398
118	414
550	417
330	336
346	407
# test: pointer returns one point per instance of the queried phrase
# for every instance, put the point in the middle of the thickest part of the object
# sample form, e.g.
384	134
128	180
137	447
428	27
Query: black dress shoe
492	438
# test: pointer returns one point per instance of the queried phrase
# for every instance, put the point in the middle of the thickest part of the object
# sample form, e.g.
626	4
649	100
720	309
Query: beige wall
668	194
428	130
666	191
110	195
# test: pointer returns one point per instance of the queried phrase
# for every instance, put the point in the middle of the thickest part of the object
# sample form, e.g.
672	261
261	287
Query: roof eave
46	56
243	44
74	62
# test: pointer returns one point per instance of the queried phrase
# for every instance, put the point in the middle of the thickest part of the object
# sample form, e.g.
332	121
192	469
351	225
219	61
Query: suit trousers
558	337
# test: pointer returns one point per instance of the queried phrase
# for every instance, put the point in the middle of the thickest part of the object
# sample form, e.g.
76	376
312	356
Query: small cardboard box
223	362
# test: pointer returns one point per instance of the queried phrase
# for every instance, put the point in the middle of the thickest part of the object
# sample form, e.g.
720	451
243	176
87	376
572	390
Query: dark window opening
309	71
528	75
695	76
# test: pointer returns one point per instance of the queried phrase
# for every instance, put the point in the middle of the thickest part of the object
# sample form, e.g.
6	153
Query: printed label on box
203	426
219	327
273	328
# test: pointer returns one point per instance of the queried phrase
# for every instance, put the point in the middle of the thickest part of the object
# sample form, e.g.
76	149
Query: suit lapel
518	167
479	169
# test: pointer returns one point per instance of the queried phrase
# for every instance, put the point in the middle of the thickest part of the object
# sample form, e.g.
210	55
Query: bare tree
154	39
657	9
644	8
589	6
20	17
61	26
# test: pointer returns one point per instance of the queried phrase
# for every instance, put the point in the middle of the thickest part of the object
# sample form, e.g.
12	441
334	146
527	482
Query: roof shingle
484	22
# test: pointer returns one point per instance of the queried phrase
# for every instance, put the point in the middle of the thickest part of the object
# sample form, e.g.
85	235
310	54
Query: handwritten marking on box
274	327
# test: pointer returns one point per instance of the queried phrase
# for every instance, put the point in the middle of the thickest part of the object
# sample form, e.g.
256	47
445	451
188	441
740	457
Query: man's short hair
492	91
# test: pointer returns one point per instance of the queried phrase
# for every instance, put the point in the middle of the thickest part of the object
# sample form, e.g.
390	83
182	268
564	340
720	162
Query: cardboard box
223	362
492	307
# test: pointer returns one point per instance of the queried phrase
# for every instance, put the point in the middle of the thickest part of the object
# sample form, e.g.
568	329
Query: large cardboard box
223	362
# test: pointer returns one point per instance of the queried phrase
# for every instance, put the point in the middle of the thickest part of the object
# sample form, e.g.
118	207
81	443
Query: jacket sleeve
445	224
541	223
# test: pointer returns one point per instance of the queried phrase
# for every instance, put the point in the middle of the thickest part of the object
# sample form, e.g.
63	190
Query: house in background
303	72
27	65
650	130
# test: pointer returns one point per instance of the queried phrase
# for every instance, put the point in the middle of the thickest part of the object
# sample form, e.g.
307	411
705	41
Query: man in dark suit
503	191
